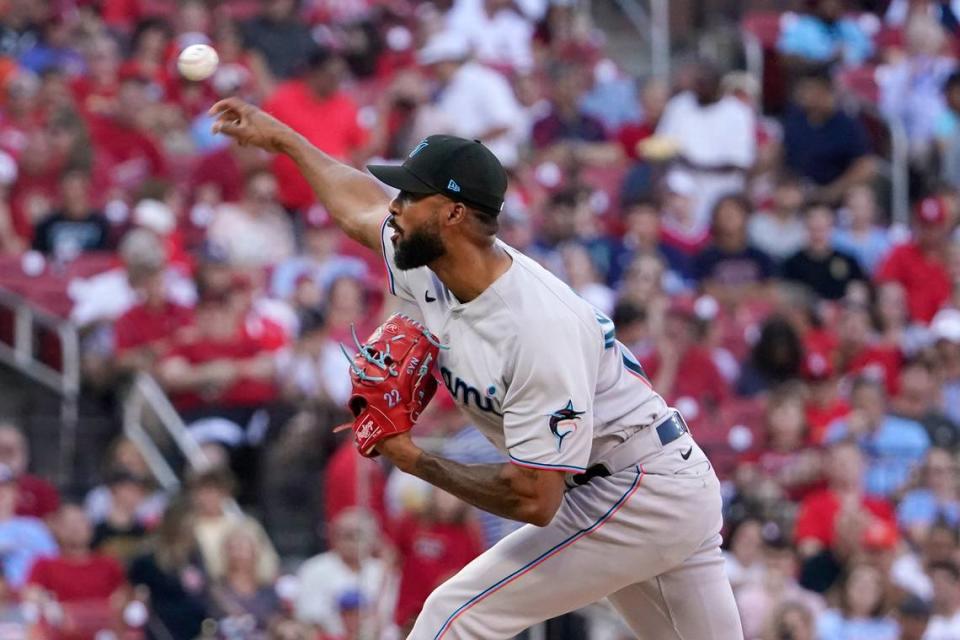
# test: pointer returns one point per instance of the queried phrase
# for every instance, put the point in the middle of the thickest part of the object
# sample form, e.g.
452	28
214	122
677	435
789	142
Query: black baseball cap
461	169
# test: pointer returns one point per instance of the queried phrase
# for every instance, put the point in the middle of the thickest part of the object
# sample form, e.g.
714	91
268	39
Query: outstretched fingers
228	104
230	114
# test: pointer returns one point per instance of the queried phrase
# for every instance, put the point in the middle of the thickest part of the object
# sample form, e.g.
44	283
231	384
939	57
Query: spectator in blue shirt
893	446
860	234
824	37
822	143
54	50
936	499
861	612
22	539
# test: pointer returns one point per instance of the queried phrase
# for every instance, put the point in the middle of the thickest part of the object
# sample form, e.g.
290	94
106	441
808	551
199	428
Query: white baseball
198	62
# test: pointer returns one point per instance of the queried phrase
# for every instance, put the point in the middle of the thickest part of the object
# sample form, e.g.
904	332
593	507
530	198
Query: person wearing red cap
920	265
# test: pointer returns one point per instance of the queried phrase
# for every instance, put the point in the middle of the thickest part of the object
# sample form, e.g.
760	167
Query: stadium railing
20	348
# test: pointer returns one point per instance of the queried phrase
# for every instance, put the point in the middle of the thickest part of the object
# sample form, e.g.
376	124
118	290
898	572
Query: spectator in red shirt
77	574
824	403
653	100
682	368
148	57
842	506
326	116
22	115
340	491
219	175
96	91
36	189
219	365
124	156
35	496
146	331
784	466
860	351
921	265
433	546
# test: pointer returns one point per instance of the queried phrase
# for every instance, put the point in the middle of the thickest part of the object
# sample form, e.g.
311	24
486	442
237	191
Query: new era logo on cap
453	186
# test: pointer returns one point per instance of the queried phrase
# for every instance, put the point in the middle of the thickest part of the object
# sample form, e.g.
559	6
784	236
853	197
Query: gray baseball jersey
536	366
542	375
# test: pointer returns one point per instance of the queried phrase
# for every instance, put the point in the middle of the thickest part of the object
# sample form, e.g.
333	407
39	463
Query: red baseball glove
392	380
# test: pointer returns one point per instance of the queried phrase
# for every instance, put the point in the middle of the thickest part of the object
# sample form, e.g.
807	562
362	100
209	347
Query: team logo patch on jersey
564	422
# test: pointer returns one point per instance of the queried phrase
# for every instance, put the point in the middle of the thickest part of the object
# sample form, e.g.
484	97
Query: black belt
668	431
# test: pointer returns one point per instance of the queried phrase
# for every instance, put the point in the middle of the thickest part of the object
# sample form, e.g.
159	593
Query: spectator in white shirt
499	34
779	232
715	136
347	568
945	622
473	101
911	87
255	232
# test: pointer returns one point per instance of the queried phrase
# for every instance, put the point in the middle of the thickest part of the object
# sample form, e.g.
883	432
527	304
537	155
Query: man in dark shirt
566	122
730	268
641	221
283	40
824	144
819	266
77	226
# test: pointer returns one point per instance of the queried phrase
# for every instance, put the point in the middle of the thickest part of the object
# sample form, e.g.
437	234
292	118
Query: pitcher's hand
249	125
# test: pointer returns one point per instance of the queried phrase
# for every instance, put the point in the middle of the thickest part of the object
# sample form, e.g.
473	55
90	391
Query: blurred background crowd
772	228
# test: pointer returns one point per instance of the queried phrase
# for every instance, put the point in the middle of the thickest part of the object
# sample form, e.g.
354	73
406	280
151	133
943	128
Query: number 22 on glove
393	382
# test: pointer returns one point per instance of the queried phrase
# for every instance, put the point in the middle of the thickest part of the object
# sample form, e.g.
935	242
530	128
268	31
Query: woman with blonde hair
241	598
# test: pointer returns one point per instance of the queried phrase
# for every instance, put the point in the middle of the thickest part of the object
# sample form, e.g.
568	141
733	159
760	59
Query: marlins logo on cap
463	170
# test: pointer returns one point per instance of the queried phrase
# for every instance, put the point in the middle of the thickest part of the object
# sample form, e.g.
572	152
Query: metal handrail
653	25
899	160
900	171
64	382
753	55
145	393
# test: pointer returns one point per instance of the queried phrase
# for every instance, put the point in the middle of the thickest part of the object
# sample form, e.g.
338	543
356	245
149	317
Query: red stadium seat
889	38
607	181
764	27
861	82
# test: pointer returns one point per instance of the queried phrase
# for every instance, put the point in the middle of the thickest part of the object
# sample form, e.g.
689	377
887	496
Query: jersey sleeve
548	407
396	278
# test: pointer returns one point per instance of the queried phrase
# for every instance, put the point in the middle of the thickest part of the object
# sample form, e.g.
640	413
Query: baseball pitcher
620	501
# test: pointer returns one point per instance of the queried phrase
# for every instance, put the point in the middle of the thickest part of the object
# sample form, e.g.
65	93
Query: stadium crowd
746	247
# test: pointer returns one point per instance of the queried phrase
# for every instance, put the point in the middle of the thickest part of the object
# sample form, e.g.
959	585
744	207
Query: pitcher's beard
418	248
